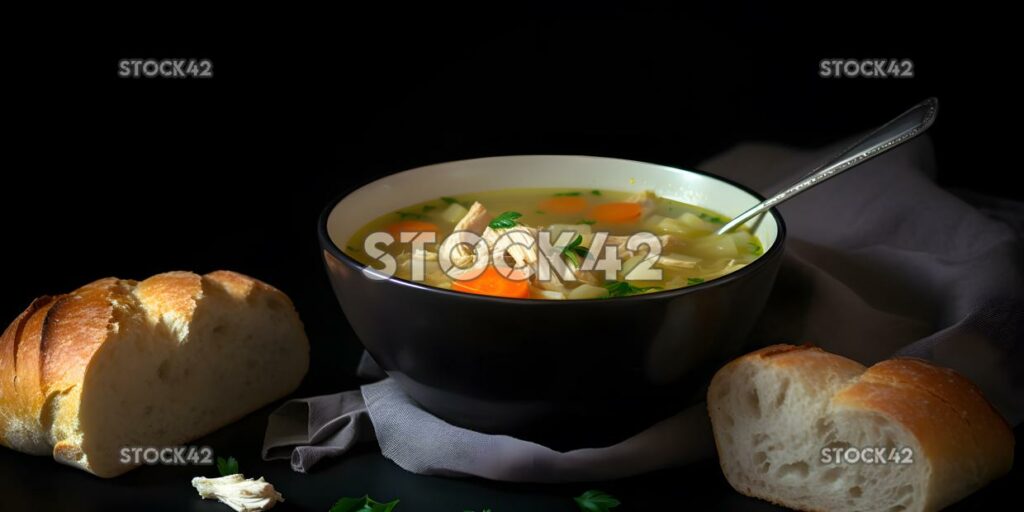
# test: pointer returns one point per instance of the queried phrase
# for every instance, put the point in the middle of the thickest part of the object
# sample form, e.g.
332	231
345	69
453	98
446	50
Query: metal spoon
901	129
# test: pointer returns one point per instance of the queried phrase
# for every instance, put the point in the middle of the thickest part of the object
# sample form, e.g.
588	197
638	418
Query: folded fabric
879	262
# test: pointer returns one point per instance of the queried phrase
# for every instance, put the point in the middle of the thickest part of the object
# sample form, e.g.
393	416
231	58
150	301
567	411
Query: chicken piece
646	201
519	238
677	261
475	221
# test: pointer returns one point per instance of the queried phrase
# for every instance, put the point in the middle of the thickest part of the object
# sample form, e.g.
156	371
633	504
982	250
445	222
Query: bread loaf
796	426
119	364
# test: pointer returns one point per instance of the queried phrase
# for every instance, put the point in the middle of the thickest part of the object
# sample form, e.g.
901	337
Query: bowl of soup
566	298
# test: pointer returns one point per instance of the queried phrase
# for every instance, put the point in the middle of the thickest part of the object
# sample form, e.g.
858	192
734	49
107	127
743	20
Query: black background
131	177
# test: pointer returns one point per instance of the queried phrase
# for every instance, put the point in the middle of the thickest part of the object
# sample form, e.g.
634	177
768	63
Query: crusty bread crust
959	435
46	351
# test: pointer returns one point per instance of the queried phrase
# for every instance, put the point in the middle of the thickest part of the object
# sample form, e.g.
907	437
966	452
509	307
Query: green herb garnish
710	218
574	251
410	215
227	467
595	192
449	200
587	222
755	248
364	504
428	207
596	501
690	281
567	194
622	288
505	220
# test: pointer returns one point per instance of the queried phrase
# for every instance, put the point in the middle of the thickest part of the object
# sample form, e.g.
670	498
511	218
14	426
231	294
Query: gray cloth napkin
879	262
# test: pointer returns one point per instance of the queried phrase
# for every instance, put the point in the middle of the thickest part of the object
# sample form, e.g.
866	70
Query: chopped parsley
567	194
596	501
690	281
227	467
449	200
410	215
505	220
428	207
574	251
622	288
710	218
364	504
595	192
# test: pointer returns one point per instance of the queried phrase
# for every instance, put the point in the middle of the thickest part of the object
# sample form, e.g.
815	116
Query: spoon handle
901	129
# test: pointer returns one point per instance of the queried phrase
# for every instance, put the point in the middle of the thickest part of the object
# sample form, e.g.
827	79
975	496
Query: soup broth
689	252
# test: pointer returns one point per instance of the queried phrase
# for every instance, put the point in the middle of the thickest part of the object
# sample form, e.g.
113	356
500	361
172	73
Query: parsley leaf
567	194
596	501
710	218
227	467
690	281
449	200
595	192
574	251
364	504
410	215
622	288
505	220
428	207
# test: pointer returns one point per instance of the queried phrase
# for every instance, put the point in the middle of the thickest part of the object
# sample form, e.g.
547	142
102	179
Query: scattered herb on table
622	288
690	281
364	504
574	252
227	467
567	194
596	501
505	220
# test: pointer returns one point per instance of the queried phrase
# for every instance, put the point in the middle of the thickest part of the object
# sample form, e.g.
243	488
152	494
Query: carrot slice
491	282
411	226
564	204
617	213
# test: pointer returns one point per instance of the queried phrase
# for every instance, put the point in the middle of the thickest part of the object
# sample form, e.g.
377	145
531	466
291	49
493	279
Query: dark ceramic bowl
544	368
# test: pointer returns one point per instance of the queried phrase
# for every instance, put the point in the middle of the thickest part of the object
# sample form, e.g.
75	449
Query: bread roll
160	362
775	410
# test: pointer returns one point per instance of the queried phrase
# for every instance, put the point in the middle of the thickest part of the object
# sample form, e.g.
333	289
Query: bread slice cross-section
810	430
120	364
